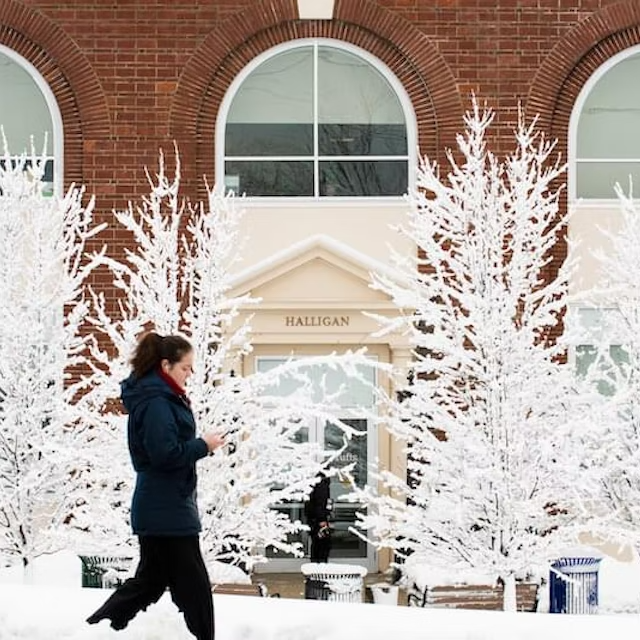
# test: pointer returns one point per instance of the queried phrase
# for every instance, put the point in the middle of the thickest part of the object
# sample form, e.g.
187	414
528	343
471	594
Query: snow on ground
619	586
618	582
44	611
39	613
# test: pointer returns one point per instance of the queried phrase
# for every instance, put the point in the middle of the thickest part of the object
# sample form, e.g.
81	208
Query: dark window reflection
363	177
48	167
295	511
362	139
344	543
355	452
269	139
270	178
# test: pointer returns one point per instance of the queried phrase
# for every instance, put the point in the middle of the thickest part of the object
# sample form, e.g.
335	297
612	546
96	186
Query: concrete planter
473	596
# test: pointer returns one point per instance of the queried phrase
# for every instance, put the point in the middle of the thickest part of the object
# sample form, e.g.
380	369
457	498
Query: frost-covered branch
43	270
609	358
179	280
491	417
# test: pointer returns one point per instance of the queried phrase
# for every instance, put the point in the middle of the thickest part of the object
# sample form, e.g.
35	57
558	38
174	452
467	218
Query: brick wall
132	75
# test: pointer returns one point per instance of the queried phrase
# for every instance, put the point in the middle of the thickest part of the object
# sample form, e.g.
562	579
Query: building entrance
360	451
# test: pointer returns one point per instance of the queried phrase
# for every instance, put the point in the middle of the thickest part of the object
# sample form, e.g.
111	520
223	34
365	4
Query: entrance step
291	585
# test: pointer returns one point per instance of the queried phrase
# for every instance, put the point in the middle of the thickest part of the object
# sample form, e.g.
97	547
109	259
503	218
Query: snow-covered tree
608	355
490	418
98	518
177	280
43	268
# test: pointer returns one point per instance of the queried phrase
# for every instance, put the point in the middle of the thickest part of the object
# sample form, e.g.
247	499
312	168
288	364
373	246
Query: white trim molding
315	9
572	146
55	146
397	87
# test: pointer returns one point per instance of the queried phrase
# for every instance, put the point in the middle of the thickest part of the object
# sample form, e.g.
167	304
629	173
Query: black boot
117	625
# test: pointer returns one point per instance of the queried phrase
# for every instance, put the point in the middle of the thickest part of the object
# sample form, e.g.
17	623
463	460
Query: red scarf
175	387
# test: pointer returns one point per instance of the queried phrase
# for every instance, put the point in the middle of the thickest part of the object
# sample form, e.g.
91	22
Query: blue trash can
573	585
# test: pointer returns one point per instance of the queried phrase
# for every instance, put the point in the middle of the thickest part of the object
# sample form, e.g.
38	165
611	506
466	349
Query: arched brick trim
575	58
68	73
230	47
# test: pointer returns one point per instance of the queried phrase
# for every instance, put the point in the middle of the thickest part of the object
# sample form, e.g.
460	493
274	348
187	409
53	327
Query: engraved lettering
317	321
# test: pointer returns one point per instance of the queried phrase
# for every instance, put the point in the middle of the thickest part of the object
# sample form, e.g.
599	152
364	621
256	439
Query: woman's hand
213	440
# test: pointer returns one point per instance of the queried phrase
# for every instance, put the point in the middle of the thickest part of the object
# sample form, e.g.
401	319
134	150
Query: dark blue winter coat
164	450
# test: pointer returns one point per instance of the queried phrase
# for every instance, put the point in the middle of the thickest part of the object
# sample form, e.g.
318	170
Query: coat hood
135	391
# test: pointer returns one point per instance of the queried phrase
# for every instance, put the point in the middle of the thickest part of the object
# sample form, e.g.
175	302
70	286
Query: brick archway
573	61
410	55
68	73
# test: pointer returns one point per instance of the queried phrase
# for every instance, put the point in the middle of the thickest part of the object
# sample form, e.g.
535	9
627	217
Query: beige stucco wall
365	226
315	301
588	227
310	267
585	229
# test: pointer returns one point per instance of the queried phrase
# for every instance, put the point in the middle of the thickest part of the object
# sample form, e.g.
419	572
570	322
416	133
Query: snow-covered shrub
492	414
43	269
177	278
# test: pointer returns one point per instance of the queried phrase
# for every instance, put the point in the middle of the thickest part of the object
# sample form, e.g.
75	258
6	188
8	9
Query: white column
401	361
394	458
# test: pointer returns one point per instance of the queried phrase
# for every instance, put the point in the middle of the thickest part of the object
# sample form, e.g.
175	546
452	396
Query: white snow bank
224	573
62	569
619	585
42	613
331	569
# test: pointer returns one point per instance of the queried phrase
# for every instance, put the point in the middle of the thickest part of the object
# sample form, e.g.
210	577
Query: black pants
320	546
174	562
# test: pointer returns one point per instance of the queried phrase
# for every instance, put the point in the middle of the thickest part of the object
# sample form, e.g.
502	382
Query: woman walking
164	450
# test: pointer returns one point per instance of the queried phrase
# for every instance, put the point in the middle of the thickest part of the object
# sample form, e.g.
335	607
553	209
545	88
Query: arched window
316	119
28	111
604	142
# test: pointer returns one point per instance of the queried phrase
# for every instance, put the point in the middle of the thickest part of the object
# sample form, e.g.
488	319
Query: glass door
357	454
345	544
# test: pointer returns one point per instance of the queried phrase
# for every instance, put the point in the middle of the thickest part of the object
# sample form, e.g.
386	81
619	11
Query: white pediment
319	272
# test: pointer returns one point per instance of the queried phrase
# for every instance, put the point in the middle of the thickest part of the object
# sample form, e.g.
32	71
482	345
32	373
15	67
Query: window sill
292	202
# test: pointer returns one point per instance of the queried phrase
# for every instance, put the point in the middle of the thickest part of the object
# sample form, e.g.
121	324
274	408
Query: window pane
346	544
368	111
274	107
349	391
586	356
270	178
362	139
597	179
23	110
609	125
275	114
363	177
354	454
272	139
47	178
295	511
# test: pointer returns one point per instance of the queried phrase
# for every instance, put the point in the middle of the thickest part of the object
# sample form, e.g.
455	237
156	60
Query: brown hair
154	348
